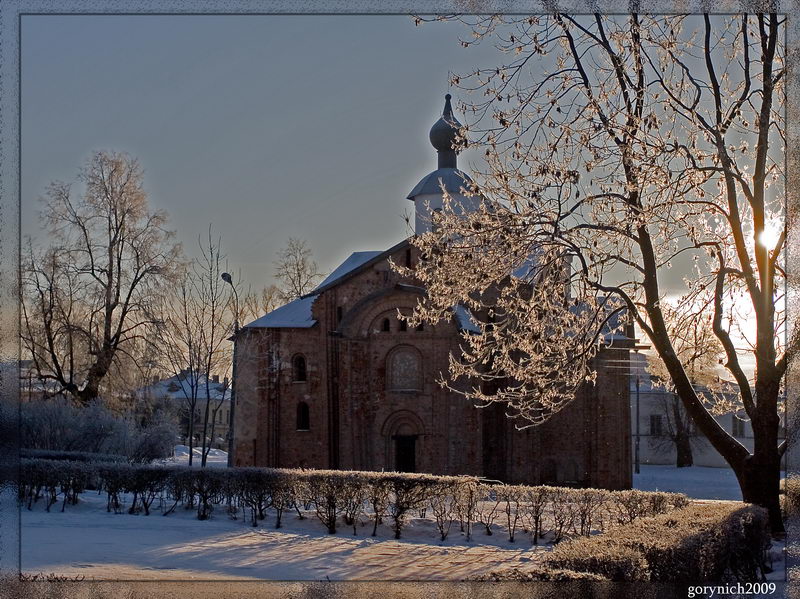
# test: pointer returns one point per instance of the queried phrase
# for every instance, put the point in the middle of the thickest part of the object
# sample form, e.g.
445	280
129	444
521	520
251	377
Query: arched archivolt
402	422
367	315
404	369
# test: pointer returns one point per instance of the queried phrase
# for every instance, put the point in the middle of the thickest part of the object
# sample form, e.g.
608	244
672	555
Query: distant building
33	388
655	420
172	393
335	380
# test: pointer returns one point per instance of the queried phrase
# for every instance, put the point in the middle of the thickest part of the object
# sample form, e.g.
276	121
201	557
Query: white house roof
176	387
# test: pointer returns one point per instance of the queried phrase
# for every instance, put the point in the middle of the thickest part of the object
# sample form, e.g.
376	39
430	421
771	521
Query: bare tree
296	270
254	305
89	295
196	324
624	143
678	434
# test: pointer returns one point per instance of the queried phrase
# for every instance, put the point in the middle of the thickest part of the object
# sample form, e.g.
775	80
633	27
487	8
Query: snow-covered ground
216	457
87	541
698	482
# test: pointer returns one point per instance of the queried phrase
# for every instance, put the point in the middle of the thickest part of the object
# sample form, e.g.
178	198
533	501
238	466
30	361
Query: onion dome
443	135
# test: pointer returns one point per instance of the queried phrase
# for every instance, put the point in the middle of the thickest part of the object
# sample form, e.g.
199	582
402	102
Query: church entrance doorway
405	451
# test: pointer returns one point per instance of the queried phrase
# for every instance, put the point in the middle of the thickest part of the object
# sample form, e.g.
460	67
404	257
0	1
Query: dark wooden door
405	450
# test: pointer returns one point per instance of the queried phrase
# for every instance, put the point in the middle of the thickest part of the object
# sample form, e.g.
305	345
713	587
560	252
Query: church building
335	380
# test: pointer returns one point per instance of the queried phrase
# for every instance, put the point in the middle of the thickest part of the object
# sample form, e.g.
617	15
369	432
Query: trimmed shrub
409	492
536	573
488	509
698	543
536	499
327	493
512	497
379	492
604	556
442	504
466	501
335	493
791	497
73	456
146	483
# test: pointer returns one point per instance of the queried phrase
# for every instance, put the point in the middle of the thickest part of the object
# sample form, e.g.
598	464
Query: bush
537	574
600	555
409	492
57	425
74	456
698	543
791	497
335	493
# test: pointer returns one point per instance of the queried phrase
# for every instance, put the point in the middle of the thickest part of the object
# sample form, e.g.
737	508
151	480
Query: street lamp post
227	278
636	451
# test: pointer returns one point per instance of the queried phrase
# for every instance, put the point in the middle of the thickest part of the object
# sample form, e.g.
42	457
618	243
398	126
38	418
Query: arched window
403	325
386	326
299	368
408	258
303	419
404	370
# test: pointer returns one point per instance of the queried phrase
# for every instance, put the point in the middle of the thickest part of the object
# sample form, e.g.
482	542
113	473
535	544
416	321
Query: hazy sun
769	236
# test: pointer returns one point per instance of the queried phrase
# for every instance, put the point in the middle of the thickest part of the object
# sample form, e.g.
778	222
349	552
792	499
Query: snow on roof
355	260
294	315
452	178
527	269
297	314
465	320
177	387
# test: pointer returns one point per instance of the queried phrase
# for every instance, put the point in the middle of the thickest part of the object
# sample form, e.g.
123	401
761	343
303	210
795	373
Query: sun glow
770	235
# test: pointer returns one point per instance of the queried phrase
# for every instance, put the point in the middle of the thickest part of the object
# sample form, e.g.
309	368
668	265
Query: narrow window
408	258
338	314
403	325
655	425
738	426
387	326
303	423
420	327
299	368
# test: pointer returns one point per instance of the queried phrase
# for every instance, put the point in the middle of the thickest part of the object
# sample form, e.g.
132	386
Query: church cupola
427	194
443	136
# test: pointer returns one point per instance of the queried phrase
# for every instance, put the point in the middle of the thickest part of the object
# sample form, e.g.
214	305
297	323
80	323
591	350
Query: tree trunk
759	478
683	448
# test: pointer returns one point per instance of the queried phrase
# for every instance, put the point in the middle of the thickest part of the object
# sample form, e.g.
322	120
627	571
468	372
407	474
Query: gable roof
297	314
357	266
355	260
294	315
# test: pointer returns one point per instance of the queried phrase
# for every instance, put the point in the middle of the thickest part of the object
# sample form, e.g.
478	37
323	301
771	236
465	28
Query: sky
265	127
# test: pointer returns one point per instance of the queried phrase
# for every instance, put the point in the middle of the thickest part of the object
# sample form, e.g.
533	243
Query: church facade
335	380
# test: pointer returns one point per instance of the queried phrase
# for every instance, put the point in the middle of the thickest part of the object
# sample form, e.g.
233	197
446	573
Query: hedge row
346	496
791	496
699	543
73	456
